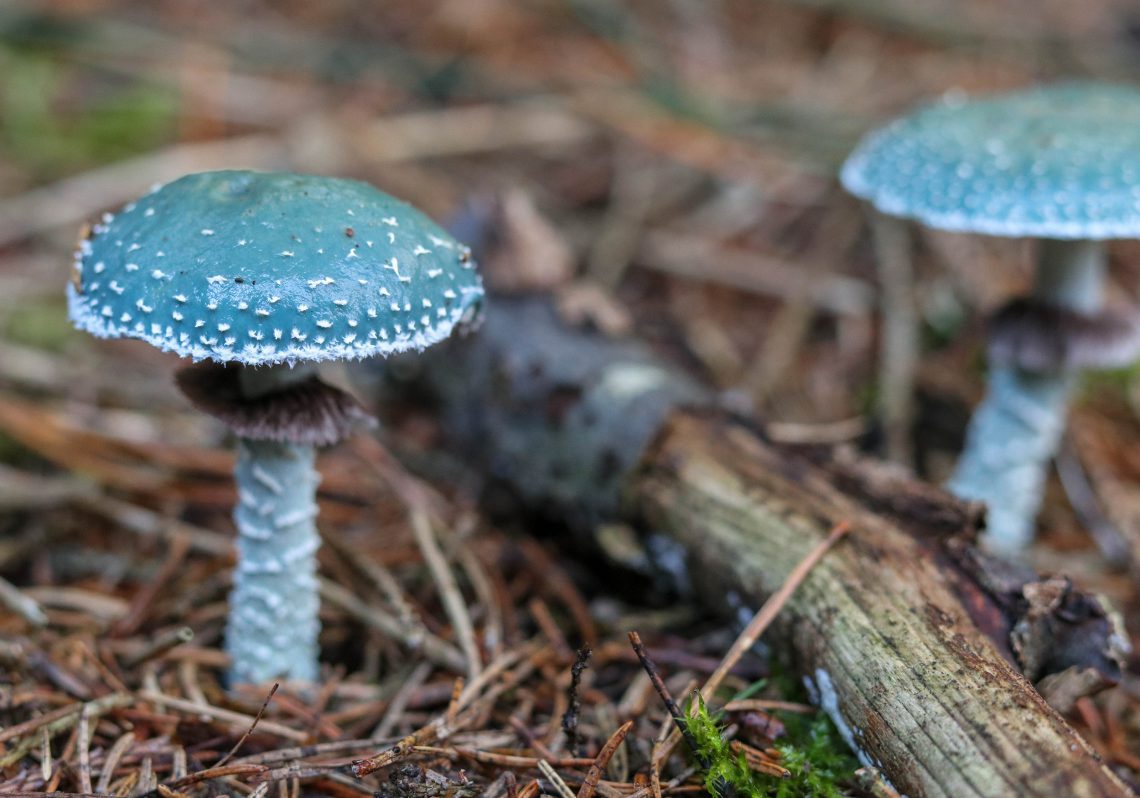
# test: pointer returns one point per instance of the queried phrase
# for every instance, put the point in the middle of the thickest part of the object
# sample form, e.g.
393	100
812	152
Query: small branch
770	609
452	598
590	785
555	780
55	722
155	648
223	715
570	717
662	690
256	719
25	606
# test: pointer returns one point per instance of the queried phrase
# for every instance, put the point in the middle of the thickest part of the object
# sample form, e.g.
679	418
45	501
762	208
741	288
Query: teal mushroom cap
263	268
1059	161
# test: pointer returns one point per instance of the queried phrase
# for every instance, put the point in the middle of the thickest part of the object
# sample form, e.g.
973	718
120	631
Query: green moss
817	757
722	766
812	750
1118	381
55	119
39	322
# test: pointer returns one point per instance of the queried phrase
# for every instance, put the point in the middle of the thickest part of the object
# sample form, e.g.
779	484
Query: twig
148	523
165	642
570	717
758	760
217	713
55	722
452	598
549	627
178	763
25	606
556	780
471	700
400	700
241	740
590	785
83	745
293	771
767	613
144	599
1083	498
485	592
45	754
502	760
416	638
555	582
662	691
452	714
380	578
120	747
216	773
687	256
527	734
334	748
767	704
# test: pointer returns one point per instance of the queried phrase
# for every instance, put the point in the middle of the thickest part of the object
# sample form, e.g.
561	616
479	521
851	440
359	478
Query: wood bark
879	628
904	634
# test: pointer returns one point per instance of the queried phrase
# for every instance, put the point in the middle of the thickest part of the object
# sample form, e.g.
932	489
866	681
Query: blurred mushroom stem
1071	274
273	624
899	335
1017	428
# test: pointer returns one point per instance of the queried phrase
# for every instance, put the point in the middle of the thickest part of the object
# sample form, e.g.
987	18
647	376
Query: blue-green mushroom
1060	164
266	274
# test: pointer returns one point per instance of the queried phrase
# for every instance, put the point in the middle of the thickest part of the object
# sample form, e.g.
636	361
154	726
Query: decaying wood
908	637
879	628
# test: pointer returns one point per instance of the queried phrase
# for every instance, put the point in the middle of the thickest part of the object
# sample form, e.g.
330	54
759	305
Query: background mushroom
270	273
1060	164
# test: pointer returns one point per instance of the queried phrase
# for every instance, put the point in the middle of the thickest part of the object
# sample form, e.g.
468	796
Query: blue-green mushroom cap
1058	161
260	268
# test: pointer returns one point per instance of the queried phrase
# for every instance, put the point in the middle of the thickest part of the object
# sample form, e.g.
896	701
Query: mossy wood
904	633
879	628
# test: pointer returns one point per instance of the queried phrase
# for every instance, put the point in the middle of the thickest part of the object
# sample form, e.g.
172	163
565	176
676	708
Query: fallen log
916	644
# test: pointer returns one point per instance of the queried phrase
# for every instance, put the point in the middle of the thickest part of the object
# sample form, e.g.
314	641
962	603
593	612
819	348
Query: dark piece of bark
902	632
569	413
307	413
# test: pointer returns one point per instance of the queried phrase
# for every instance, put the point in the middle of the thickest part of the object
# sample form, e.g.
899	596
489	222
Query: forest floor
666	169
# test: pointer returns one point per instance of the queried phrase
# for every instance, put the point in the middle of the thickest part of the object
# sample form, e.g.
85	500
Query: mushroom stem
273	624
1017	428
899	335
1070	274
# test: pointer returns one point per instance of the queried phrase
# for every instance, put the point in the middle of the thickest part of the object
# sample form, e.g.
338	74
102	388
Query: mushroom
266	274
1060	164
